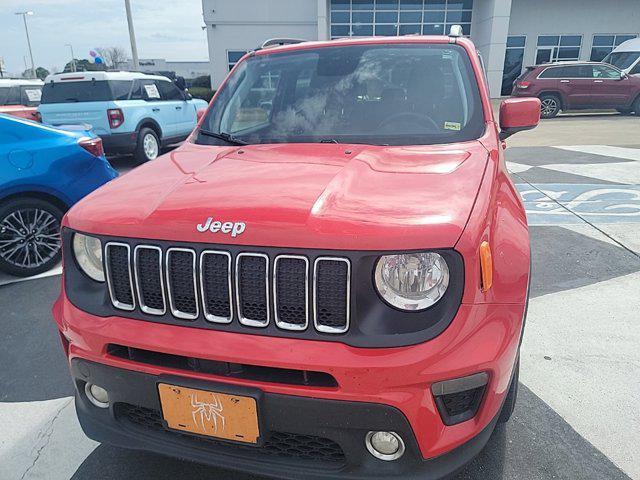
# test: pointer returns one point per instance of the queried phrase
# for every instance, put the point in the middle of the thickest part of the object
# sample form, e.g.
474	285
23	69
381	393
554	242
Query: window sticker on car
33	94
152	91
452	126
447	55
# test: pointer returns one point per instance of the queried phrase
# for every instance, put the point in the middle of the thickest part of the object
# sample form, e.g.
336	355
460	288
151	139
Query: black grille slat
331	295
291	292
322	451
120	276
253	301
180	277
149	279
215	271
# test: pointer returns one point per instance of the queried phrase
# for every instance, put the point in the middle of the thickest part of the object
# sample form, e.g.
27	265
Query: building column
489	30
323	18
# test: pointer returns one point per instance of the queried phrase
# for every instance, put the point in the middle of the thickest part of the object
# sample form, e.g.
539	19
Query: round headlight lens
88	253
412	281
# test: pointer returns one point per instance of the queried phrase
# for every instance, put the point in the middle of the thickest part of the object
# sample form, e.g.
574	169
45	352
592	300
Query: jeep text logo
234	228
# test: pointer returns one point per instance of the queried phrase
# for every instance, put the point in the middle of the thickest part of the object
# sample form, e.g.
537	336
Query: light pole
73	57
132	36
26	29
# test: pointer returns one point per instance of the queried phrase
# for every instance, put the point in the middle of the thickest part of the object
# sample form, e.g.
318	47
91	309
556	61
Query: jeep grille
251	288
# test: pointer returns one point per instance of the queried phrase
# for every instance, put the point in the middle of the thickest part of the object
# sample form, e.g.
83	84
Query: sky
169	29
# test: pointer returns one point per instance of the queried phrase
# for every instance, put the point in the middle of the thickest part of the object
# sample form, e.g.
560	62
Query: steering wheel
413	117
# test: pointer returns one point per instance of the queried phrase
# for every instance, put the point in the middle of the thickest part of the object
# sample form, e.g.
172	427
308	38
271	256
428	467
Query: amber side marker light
486	265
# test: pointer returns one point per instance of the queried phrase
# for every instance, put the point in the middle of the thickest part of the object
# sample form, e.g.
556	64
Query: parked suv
327	280
131	112
20	97
578	86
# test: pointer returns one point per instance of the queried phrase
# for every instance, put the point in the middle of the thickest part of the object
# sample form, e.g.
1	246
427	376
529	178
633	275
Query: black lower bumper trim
303	437
119	143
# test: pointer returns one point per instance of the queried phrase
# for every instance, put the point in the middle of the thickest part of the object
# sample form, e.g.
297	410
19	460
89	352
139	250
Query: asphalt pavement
576	416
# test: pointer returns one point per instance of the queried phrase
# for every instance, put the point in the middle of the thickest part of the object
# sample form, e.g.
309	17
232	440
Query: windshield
373	94
622	60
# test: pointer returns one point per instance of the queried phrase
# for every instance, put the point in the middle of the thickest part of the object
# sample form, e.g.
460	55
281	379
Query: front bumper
381	388
305	437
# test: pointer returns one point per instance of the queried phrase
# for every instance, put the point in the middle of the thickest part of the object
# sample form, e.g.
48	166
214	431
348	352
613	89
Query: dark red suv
579	85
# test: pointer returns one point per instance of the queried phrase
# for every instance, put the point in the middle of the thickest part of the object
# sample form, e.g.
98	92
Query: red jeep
578	86
327	280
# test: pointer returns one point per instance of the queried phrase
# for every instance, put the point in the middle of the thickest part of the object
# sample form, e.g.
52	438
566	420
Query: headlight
412	281
88	253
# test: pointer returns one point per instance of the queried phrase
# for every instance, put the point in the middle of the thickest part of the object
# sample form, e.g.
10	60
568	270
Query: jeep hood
324	196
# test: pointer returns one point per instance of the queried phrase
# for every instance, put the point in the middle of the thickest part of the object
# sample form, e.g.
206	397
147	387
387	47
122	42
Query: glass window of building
359	18
604	44
513	59
558	48
234	56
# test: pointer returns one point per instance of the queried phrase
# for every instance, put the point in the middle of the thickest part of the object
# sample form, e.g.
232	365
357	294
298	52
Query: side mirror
518	114
200	113
623	76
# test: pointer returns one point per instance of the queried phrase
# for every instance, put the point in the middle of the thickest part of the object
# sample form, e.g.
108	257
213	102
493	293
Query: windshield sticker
452	126
33	94
152	91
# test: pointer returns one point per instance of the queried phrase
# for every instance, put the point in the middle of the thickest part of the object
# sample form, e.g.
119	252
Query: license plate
213	414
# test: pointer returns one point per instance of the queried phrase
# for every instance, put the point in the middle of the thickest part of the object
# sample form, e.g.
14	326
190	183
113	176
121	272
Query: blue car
132	112
43	172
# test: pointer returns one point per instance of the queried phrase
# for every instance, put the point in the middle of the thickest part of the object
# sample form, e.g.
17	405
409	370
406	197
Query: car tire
510	401
22	252
147	146
636	106
549	106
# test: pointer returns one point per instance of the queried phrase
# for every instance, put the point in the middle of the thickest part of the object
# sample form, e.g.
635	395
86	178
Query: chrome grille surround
114	301
287	325
319	326
174	311
143	307
209	316
242	319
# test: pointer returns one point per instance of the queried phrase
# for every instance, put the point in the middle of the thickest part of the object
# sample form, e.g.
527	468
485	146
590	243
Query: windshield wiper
329	140
227	137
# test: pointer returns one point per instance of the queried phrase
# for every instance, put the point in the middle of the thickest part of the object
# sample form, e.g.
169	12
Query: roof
565	63
403	39
632	45
12	82
100	76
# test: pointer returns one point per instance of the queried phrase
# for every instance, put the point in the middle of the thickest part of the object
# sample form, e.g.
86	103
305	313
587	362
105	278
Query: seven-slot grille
219	288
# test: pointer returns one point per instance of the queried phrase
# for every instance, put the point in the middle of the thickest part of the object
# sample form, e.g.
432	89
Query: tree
113	57
41	73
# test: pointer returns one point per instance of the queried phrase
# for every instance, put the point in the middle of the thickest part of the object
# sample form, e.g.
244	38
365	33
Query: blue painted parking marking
559	203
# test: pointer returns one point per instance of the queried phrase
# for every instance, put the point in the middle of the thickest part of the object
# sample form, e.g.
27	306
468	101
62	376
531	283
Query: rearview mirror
200	113
518	114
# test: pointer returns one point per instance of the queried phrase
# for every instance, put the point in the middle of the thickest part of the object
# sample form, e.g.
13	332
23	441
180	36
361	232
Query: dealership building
510	34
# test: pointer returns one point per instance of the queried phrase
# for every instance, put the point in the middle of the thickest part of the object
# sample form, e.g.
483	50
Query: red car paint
580	85
30	113
338	197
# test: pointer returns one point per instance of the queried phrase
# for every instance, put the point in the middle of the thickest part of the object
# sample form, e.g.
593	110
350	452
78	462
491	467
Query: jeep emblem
234	228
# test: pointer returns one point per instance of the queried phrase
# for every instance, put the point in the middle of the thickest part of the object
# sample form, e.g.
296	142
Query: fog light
97	395
385	445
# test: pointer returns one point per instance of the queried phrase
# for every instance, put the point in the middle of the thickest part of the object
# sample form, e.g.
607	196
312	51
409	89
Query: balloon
98	60
92	53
